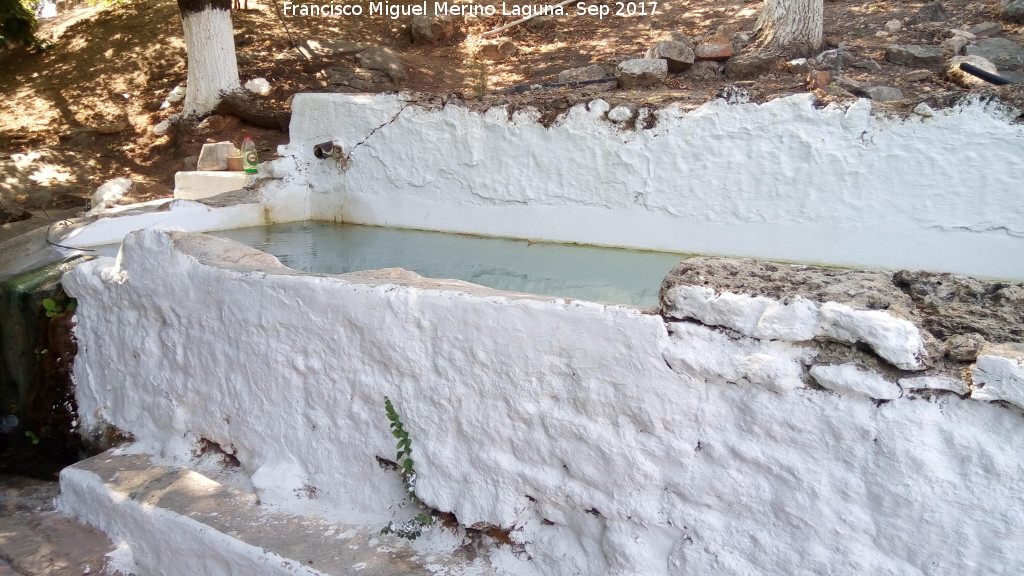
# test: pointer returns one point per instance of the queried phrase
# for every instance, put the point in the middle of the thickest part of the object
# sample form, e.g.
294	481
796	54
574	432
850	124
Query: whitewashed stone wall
607	440
781	180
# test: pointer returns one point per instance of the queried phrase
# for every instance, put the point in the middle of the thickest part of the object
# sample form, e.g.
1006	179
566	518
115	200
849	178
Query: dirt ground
82	112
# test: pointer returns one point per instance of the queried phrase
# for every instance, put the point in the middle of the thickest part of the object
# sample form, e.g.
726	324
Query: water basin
562	270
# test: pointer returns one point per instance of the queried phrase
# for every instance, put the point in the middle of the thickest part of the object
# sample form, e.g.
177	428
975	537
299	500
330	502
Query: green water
564	270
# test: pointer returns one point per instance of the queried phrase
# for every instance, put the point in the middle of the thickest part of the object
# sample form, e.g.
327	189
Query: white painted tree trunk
790	27
212	67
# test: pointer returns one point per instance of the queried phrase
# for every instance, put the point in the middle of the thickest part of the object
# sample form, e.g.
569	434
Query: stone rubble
641	73
922	328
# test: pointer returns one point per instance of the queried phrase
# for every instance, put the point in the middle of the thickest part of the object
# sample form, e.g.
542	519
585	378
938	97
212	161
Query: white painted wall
654	448
780	180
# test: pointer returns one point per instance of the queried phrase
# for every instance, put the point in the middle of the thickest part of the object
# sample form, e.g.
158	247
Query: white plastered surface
560	420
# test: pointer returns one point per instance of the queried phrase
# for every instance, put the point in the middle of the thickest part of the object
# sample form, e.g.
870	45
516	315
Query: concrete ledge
196	185
180	522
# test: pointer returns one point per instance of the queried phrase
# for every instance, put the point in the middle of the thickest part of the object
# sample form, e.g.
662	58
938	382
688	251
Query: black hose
986	76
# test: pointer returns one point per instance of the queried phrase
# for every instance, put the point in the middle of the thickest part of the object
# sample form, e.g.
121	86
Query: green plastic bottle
249	158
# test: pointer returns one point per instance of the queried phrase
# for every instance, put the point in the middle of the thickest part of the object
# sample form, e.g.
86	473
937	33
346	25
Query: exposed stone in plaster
797	303
853	379
952	304
999	374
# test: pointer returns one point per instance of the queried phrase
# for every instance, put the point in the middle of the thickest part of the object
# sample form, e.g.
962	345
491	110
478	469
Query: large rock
678	55
1005	54
587	73
383	59
881	93
359	79
914	55
495	50
718	52
641	73
961	78
986	29
1012	10
750	66
427	29
931	12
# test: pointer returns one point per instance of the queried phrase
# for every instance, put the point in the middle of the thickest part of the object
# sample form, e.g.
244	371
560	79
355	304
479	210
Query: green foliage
413	528
18	24
53	307
480	78
32	436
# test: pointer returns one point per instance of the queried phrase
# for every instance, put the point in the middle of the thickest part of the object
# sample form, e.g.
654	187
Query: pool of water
564	270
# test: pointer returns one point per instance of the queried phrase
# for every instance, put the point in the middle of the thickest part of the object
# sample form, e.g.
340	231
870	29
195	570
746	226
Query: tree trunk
790	28
209	40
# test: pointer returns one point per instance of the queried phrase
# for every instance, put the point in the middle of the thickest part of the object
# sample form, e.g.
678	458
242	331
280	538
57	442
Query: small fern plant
410	529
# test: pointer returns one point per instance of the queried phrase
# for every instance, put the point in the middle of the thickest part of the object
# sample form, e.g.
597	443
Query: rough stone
750	66
1012	10
855	380
998	373
704	70
1005	54
914	55
384	60
798	66
878	93
177	94
583	74
428	29
986	29
678	55
680	37
961	78
931	12
964	347
893	26
867	65
955	385
849	84
955	45
108	193
358	78
258	86
495	50
717	52
641	73
819	79
799	303
924	110
190	163
215	156
832	59
952	304
917	75
622	113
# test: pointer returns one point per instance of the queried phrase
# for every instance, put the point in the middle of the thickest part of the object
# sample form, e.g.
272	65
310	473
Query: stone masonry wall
771	420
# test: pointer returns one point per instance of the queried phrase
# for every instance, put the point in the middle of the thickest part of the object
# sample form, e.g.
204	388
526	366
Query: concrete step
35	540
177	521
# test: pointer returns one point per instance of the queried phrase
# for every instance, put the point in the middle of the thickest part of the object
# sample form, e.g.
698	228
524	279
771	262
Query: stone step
177	521
35	540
